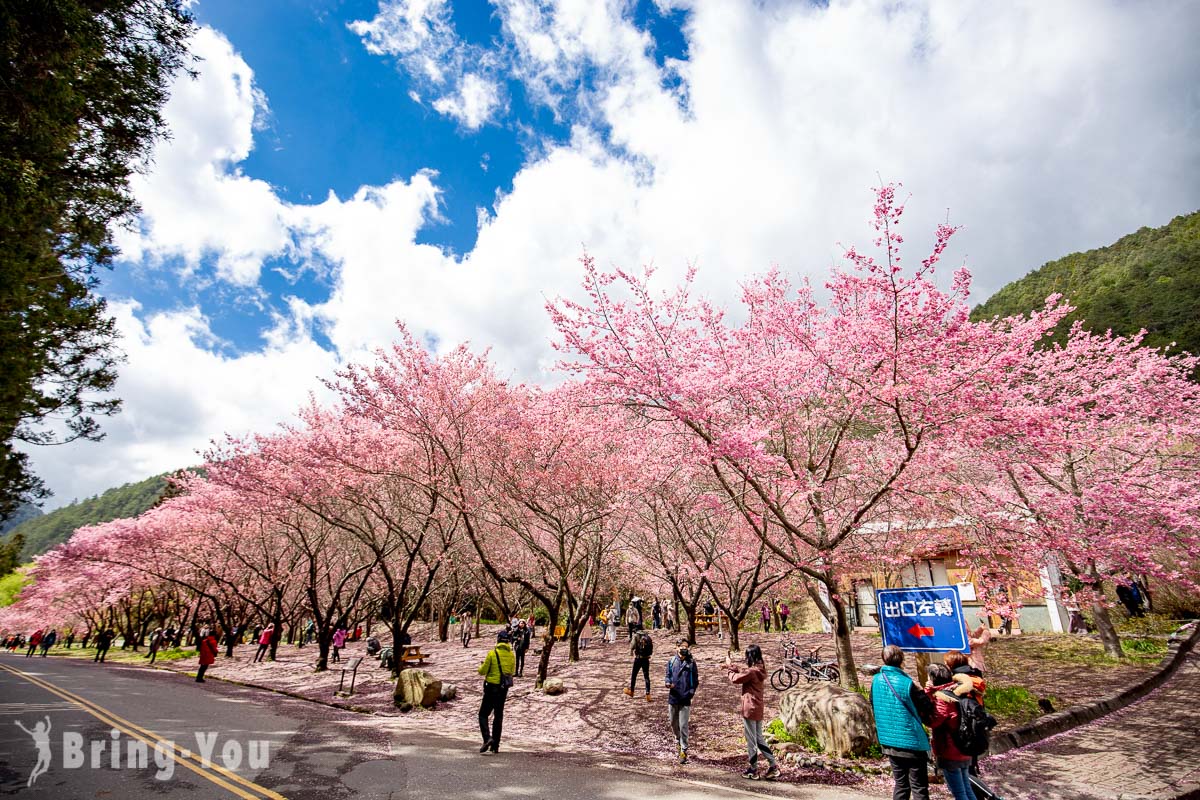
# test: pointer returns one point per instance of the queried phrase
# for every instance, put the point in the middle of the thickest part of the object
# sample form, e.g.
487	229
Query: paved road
315	752
1146	751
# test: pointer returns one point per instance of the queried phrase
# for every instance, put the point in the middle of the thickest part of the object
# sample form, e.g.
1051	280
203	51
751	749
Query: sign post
922	619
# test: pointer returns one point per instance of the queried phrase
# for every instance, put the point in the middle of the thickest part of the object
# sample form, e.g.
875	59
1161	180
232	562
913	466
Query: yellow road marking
179	754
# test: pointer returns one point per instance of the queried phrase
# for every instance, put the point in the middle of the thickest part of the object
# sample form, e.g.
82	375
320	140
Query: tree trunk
444	628
841	632
1107	631
324	642
734	626
922	668
547	645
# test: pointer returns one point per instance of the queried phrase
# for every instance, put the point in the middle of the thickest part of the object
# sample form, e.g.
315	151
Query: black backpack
974	724
644	647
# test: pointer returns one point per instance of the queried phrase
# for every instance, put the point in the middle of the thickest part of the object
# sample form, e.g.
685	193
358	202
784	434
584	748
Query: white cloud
421	35
1045	128
474	104
196	200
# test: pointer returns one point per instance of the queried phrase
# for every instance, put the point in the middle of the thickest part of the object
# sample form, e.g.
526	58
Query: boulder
449	692
416	687
842	720
553	686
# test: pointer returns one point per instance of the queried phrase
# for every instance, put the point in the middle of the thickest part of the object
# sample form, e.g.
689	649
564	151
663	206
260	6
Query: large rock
553	686
842	719
416	687
449	692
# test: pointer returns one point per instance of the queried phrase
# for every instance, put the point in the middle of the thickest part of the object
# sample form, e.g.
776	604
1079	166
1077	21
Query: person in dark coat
48	641
208	653
521	641
104	640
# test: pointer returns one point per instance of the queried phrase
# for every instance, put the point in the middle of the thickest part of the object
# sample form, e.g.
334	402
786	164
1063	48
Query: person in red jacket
953	763
208	653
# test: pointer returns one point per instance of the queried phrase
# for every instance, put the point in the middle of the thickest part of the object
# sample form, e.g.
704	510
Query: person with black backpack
497	670
641	648
945	725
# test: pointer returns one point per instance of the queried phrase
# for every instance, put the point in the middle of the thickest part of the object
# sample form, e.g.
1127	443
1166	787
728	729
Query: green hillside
23	512
44	532
1149	279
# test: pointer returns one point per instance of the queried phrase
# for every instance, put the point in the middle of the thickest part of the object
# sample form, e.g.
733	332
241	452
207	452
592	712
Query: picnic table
710	621
411	654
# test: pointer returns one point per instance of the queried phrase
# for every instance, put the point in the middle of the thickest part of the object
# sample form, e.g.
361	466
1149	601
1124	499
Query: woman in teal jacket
900	709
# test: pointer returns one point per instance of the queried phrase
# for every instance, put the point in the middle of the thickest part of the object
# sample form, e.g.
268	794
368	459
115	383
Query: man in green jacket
497	671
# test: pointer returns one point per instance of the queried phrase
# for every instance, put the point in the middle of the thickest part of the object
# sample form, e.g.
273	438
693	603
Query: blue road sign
922	619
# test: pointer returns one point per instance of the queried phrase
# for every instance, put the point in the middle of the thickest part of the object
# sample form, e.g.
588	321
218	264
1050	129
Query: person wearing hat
497	670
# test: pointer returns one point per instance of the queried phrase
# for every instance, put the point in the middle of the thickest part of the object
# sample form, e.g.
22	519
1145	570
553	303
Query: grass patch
1077	651
1155	647
806	737
116	656
1014	705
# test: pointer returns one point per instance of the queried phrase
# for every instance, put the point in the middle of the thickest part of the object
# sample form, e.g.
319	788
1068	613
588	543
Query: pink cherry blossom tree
818	419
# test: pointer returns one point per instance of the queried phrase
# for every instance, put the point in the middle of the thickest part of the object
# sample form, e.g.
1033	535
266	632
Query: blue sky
339	166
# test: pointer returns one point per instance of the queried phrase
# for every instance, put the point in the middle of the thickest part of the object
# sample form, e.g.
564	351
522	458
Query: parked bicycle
812	668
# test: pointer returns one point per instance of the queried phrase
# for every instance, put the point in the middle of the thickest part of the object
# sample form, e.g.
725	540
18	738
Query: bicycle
811	668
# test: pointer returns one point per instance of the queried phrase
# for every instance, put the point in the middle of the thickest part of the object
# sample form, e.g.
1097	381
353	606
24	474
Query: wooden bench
352	666
412	655
708	621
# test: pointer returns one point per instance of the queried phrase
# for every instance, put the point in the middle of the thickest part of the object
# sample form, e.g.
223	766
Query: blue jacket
683	677
898	710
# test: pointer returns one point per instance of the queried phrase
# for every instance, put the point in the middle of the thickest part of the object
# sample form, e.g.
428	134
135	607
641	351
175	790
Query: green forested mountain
23	512
42	533
1149	279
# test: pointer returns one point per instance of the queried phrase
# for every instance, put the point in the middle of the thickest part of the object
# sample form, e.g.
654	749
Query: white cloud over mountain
1044	128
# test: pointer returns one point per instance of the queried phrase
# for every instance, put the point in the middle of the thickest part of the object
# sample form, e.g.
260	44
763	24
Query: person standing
520	645
497	670
642	647
765	614
264	642
657	614
231	638
633	618
70	638
465	628
953	763
48	641
339	641
614	622
751	677
901	708
208	653
103	641
586	633
783	615
683	678
978	640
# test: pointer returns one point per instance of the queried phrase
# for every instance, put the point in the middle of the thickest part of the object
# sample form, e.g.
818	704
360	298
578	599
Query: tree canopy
82	85
1149	279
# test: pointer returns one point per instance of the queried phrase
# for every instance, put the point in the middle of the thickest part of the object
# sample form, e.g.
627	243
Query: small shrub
806	737
1149	625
